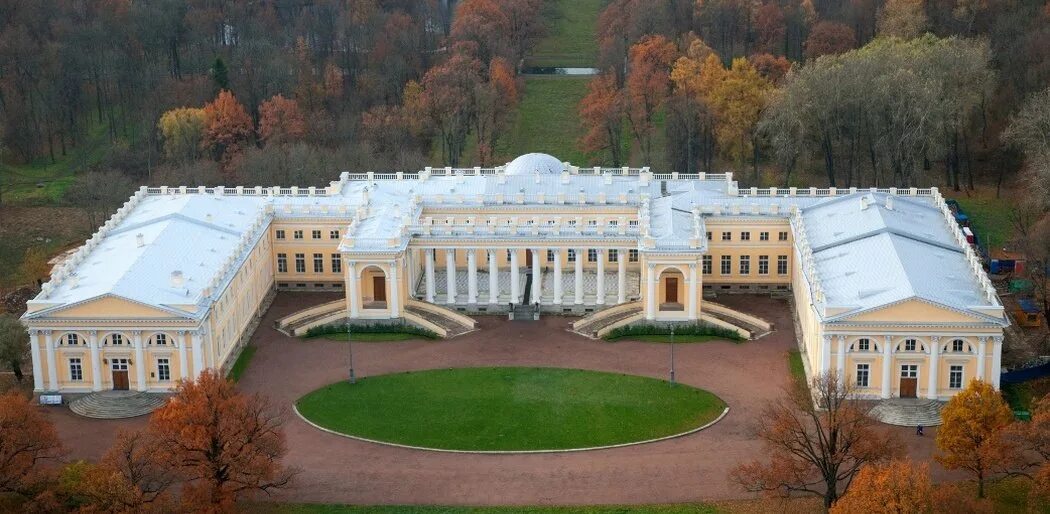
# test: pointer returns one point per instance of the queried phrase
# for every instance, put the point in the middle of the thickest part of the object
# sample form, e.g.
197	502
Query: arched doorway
374	288
671	290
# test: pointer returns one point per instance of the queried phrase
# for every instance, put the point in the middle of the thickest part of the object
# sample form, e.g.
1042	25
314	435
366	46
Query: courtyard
336	469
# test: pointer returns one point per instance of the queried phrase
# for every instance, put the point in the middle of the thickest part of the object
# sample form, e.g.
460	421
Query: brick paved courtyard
336	469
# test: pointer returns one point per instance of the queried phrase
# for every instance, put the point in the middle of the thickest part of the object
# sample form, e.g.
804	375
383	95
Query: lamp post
350	345
672	354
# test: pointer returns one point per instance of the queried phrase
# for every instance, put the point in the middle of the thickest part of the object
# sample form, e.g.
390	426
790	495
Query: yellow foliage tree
34	264
183	130
738	100
969	436
898	487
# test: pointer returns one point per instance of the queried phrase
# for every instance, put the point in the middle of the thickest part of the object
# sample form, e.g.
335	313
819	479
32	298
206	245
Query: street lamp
350	345
672	354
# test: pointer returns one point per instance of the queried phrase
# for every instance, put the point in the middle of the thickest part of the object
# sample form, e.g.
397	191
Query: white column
450	276
96	361
395	291
825	354
34	354
198	354
997	356
493	278
887	367
430	274
140	360
692	291
935	357
537	276
580	256
184	368
557	277
515	288
982	346
353	293
52	366
622	255
601	276
650	292
472	276
840	366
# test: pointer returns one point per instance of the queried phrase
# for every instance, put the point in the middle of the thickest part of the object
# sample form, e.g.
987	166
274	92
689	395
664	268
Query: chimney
176	279
207	217
140	240
889	203
864	201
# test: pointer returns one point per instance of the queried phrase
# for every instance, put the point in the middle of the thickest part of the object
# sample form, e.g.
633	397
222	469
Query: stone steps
292	327
599	321
908	412
117	404
755	331
453	326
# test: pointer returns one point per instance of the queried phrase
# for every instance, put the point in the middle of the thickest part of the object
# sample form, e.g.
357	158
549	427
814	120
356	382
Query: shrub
372	328
693	329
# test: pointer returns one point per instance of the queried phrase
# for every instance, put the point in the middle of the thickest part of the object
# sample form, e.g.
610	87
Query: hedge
372	328
692	329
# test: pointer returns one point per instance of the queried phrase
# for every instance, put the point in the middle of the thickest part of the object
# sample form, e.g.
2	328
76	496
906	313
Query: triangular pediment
110	307
914	310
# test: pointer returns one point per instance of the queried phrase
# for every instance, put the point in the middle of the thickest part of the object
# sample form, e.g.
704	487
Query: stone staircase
117	404
591	325
451	322
755	326
297	323
908	412
523	312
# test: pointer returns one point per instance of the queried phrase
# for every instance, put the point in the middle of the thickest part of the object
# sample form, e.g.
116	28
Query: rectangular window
706	264
161	339
864	344
333	234
337	263
955	377
909	345
632	255
318	263
613	223
592	255
614	255
745	236
745	264
727	236
163	370
298	234
783	236
708	236
727	264
300	263
571	256
550	255
592	223
280	234
282	263
632	223
316	234
76	371
763	236
763	264
509	252
863	373
782	265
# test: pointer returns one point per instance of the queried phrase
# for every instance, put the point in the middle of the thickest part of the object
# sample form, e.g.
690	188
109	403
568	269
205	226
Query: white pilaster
96	361
52	366
472	276
493	278
395	291
140	360
198	354
34	354
692	291
450	276
184	368
935	359
557	277
825	354
997	356
601	277
622	255
887	367
650	292
515	288
429	263
578	278
353	292
982	346
537	277
840	365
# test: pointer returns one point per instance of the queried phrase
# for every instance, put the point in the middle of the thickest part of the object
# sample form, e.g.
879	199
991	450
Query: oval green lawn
509	408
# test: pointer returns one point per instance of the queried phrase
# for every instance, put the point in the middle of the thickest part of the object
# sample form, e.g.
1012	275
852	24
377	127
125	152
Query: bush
692	329
372	328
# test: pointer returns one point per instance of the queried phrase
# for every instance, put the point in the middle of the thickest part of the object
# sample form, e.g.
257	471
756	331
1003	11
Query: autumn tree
224	444
894	487
770	67
903	18
496	99
133	476
183	131
1029	131
819	448
601	113
648	84
969	438
280	121
829	37
35	264
695	76
27	439
98	202
770	28
227	127
14	344
448	100
738	101
485	24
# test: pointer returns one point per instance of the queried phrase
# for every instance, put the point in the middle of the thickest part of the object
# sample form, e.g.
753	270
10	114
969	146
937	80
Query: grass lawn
242	363
20	181
509	408
660	338
547	119
990	216
797	369
571	39
369	336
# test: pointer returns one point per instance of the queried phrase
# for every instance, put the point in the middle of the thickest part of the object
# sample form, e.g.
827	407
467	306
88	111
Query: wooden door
120	380
379	289
909	380
671	290
528	258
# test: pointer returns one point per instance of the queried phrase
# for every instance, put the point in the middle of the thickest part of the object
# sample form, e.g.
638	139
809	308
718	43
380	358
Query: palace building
885	288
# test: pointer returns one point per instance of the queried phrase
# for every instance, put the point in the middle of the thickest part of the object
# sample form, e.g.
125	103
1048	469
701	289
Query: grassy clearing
242	363
52	228
990	216
547	119
509	408
44	182
307	508
571	39
797	369
370	337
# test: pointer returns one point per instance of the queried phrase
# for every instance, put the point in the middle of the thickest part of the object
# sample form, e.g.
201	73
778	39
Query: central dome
534	163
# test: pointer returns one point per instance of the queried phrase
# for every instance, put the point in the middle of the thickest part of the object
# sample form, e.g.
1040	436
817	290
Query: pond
552	70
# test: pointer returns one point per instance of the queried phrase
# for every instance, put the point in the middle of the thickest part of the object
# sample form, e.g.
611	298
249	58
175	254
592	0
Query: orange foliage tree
648	84
601	113
496	99
738	101
27	438
970	436
224	444
133	476
448	100
814	450
227	128
895	487
829	37
280	121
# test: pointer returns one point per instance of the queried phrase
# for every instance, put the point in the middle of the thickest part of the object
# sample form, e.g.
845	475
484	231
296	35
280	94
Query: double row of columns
538	255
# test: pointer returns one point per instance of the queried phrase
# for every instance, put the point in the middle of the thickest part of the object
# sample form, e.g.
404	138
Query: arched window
958	345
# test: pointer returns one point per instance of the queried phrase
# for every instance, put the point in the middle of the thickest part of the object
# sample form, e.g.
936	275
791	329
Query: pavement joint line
711	423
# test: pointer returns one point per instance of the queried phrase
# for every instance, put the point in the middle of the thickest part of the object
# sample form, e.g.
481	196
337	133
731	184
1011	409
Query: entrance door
671	290
120	374
909	380
528	258
379	289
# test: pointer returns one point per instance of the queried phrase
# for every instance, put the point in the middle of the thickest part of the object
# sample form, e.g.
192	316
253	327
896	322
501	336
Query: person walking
918	429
